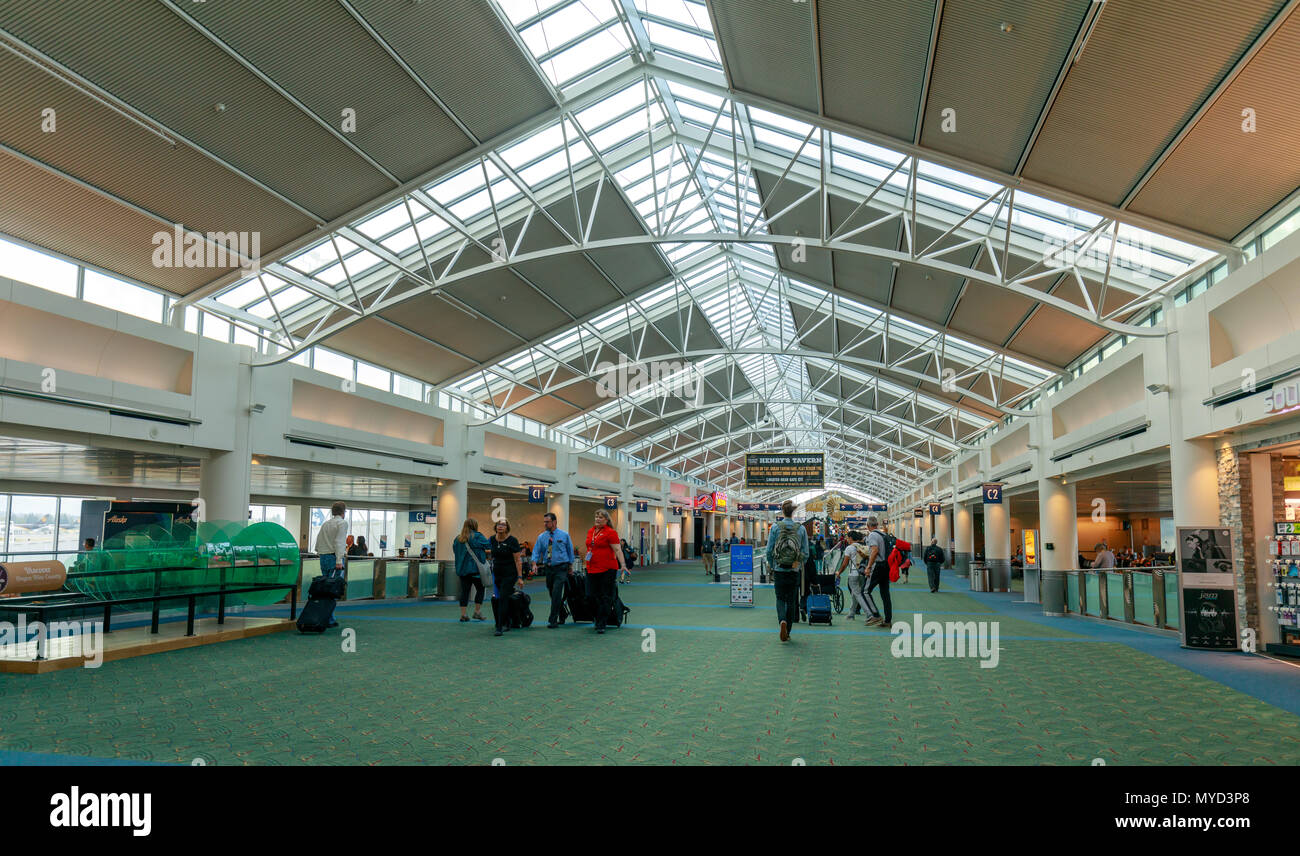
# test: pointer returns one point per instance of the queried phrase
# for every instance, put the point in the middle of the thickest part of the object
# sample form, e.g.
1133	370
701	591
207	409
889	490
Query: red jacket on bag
898	562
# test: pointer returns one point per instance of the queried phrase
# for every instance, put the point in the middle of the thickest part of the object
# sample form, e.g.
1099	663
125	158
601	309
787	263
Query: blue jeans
786	587
329	566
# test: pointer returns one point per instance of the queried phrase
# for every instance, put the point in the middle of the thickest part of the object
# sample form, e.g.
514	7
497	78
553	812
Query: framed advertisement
1207	588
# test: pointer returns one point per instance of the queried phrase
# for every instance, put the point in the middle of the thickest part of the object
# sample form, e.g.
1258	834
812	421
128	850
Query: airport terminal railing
1146	597
385	577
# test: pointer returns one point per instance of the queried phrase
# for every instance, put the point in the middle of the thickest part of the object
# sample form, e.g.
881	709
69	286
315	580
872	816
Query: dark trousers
880	577
786	584
932	571
557	576
601	587
472	582
505	586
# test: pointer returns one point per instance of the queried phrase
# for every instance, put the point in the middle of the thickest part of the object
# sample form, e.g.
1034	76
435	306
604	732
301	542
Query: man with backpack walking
787	549
879	545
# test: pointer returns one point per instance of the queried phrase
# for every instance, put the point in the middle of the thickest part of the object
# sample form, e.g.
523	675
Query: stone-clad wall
1236	513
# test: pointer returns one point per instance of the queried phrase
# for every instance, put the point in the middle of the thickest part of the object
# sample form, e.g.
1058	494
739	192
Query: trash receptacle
979	577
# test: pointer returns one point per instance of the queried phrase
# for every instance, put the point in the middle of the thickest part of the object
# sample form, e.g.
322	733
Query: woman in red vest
604	558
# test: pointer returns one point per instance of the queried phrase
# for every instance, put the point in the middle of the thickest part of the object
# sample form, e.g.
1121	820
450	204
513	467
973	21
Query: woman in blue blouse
470	539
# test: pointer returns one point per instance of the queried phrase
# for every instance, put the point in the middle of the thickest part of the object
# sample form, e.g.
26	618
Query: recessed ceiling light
220	108
1007	27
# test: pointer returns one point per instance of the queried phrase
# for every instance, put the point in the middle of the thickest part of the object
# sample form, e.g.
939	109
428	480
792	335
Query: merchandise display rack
1284	552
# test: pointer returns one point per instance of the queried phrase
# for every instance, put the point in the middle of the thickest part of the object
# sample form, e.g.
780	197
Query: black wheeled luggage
318	612
520	612
580	606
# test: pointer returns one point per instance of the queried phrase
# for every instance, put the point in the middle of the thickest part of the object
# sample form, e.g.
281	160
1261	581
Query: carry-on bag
581	607
316	615
819	609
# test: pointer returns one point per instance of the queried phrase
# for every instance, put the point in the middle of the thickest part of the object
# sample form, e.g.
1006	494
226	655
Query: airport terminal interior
998	301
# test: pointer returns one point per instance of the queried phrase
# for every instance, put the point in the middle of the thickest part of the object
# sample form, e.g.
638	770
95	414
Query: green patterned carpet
719	688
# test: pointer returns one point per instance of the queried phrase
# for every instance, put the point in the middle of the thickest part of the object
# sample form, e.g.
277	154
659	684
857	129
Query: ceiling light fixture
1007	27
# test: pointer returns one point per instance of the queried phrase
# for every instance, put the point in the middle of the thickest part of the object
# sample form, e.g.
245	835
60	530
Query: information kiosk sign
742	575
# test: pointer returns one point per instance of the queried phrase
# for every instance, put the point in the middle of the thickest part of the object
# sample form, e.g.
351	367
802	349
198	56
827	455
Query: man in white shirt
331	541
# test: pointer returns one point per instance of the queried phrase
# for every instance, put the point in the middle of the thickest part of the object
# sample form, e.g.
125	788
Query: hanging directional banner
611	502
935	509
675	511
537	493
863	506
642	506
993	494
918	513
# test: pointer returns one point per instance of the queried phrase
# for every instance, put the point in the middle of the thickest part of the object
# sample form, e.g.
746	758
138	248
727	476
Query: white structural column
660	534
558	504
1194	470
997	543
225	477
963	528
1058	523
1193	464
942	535
224	480
453	504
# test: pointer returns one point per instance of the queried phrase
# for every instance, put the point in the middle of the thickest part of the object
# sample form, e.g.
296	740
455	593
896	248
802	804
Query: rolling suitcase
575	594
520	613
819	609
318	612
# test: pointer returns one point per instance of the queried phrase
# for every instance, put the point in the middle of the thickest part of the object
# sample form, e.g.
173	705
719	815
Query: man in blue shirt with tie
553	553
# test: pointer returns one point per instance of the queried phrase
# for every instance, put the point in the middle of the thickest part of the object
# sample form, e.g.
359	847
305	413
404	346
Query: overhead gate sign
787	470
